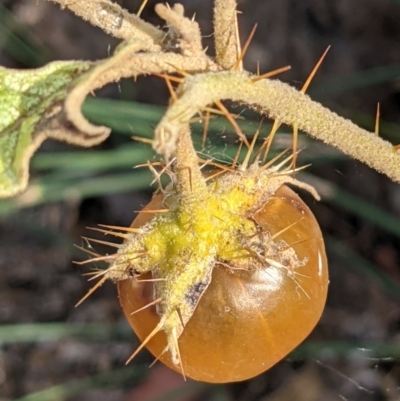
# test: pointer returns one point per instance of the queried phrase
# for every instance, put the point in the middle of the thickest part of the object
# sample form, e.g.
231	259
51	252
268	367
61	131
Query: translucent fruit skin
247	321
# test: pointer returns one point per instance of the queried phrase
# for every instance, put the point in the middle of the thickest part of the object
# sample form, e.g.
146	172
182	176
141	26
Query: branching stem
285	104
148	50
226	41
114	20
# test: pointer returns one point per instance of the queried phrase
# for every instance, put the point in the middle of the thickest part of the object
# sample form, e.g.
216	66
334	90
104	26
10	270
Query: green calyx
194	233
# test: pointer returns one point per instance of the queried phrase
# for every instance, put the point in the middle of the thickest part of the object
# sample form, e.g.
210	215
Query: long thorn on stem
238	66
303	90
246	160
157	329
156	301
377	118
270	74
234	124
92	290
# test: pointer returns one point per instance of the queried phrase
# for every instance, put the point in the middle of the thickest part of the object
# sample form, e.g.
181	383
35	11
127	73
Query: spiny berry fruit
224	287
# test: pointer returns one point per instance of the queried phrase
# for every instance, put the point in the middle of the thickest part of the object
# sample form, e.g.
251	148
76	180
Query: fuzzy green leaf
31	110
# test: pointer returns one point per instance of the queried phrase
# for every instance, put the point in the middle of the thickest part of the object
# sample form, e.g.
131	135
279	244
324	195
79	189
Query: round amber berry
246	321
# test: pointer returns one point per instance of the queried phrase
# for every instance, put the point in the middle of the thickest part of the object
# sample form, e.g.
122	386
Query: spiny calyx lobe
219	272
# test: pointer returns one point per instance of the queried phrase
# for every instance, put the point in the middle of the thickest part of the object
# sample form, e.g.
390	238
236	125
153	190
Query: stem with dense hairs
116	21
283	103
190	182
226	40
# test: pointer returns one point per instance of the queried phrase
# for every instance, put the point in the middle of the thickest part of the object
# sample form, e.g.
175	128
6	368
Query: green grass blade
187	390
343	349
126	156
130	118
362	79
367	211
363	267
42	191
19	42
116	378
53	332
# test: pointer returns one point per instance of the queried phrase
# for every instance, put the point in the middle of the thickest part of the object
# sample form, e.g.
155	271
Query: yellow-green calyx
204	224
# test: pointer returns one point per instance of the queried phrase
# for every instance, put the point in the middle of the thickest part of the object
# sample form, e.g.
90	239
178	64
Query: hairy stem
190	182
127	62
114	20
226	41
285	104
188	30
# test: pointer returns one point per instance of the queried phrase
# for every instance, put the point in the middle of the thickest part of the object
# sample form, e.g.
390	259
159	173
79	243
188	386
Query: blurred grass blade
128	375
127	156
20	43
363	267
41	191
367	211
358	80
340	349
219	393
124	117
187	391
53	332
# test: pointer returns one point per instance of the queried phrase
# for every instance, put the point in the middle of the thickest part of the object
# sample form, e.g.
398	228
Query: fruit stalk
190	183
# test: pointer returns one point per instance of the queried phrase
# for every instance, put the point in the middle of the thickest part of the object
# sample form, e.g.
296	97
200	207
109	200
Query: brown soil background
39	283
